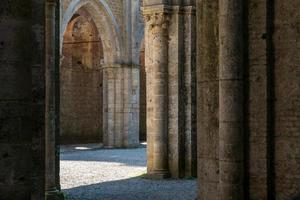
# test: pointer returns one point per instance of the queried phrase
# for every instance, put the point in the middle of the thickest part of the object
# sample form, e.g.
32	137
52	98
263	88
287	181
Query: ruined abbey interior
211	87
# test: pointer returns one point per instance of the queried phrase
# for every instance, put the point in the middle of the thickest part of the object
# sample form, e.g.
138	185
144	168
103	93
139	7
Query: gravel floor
90	173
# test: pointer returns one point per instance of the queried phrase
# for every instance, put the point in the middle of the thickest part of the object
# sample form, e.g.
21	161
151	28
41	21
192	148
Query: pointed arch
106	24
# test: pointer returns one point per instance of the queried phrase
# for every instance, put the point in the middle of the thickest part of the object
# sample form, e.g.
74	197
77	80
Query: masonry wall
81	82
286	77
120	74
22	100
116	6
271	100
207	99
256	101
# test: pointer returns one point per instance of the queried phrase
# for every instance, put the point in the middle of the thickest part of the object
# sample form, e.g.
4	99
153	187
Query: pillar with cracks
231	66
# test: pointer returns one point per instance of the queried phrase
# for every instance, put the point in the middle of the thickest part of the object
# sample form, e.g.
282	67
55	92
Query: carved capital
156	20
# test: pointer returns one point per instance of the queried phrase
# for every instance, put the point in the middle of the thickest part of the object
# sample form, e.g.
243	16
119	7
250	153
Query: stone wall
271	102
170	88
120	77
207	99
256	109
118	10
22	99
116	7
286	91
81	82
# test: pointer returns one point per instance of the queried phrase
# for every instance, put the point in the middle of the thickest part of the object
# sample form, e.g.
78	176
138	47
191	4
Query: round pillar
156	61
231	99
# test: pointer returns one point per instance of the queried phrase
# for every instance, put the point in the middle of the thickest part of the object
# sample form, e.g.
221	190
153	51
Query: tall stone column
231	99
190	110
156	50
208	99
52	191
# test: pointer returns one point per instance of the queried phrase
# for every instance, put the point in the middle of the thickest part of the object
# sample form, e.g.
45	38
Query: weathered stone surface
81	108
247	92
286	88
100	92
271	89
207	99
22	100
171	88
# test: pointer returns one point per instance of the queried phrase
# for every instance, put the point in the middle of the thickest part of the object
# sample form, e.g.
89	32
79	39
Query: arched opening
81	81
90	38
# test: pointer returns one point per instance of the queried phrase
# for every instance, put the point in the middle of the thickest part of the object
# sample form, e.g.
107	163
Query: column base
161	174
54	195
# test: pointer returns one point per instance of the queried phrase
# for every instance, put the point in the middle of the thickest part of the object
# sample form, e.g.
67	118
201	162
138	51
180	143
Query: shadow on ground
136	189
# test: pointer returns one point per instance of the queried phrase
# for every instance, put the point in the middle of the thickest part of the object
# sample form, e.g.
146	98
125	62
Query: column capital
189	10
158	19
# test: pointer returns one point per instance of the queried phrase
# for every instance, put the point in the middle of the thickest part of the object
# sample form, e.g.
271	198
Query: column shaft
51	182
231	99
157	88
50	96
189	92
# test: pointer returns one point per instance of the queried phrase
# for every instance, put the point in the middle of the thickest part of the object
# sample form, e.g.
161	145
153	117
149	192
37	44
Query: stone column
109	105
189	92
176	104
231	99
120	122
157	93
50	102
207	99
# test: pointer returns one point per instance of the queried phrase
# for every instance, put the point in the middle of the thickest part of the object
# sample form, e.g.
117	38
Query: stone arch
81	81
106	24
138	31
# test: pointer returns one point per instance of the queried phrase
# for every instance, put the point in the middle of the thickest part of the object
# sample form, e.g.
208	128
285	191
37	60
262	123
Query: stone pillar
52	191
176	104
231	161
181	91
190	111
131	105
120	106
111	125
156	51
207	99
